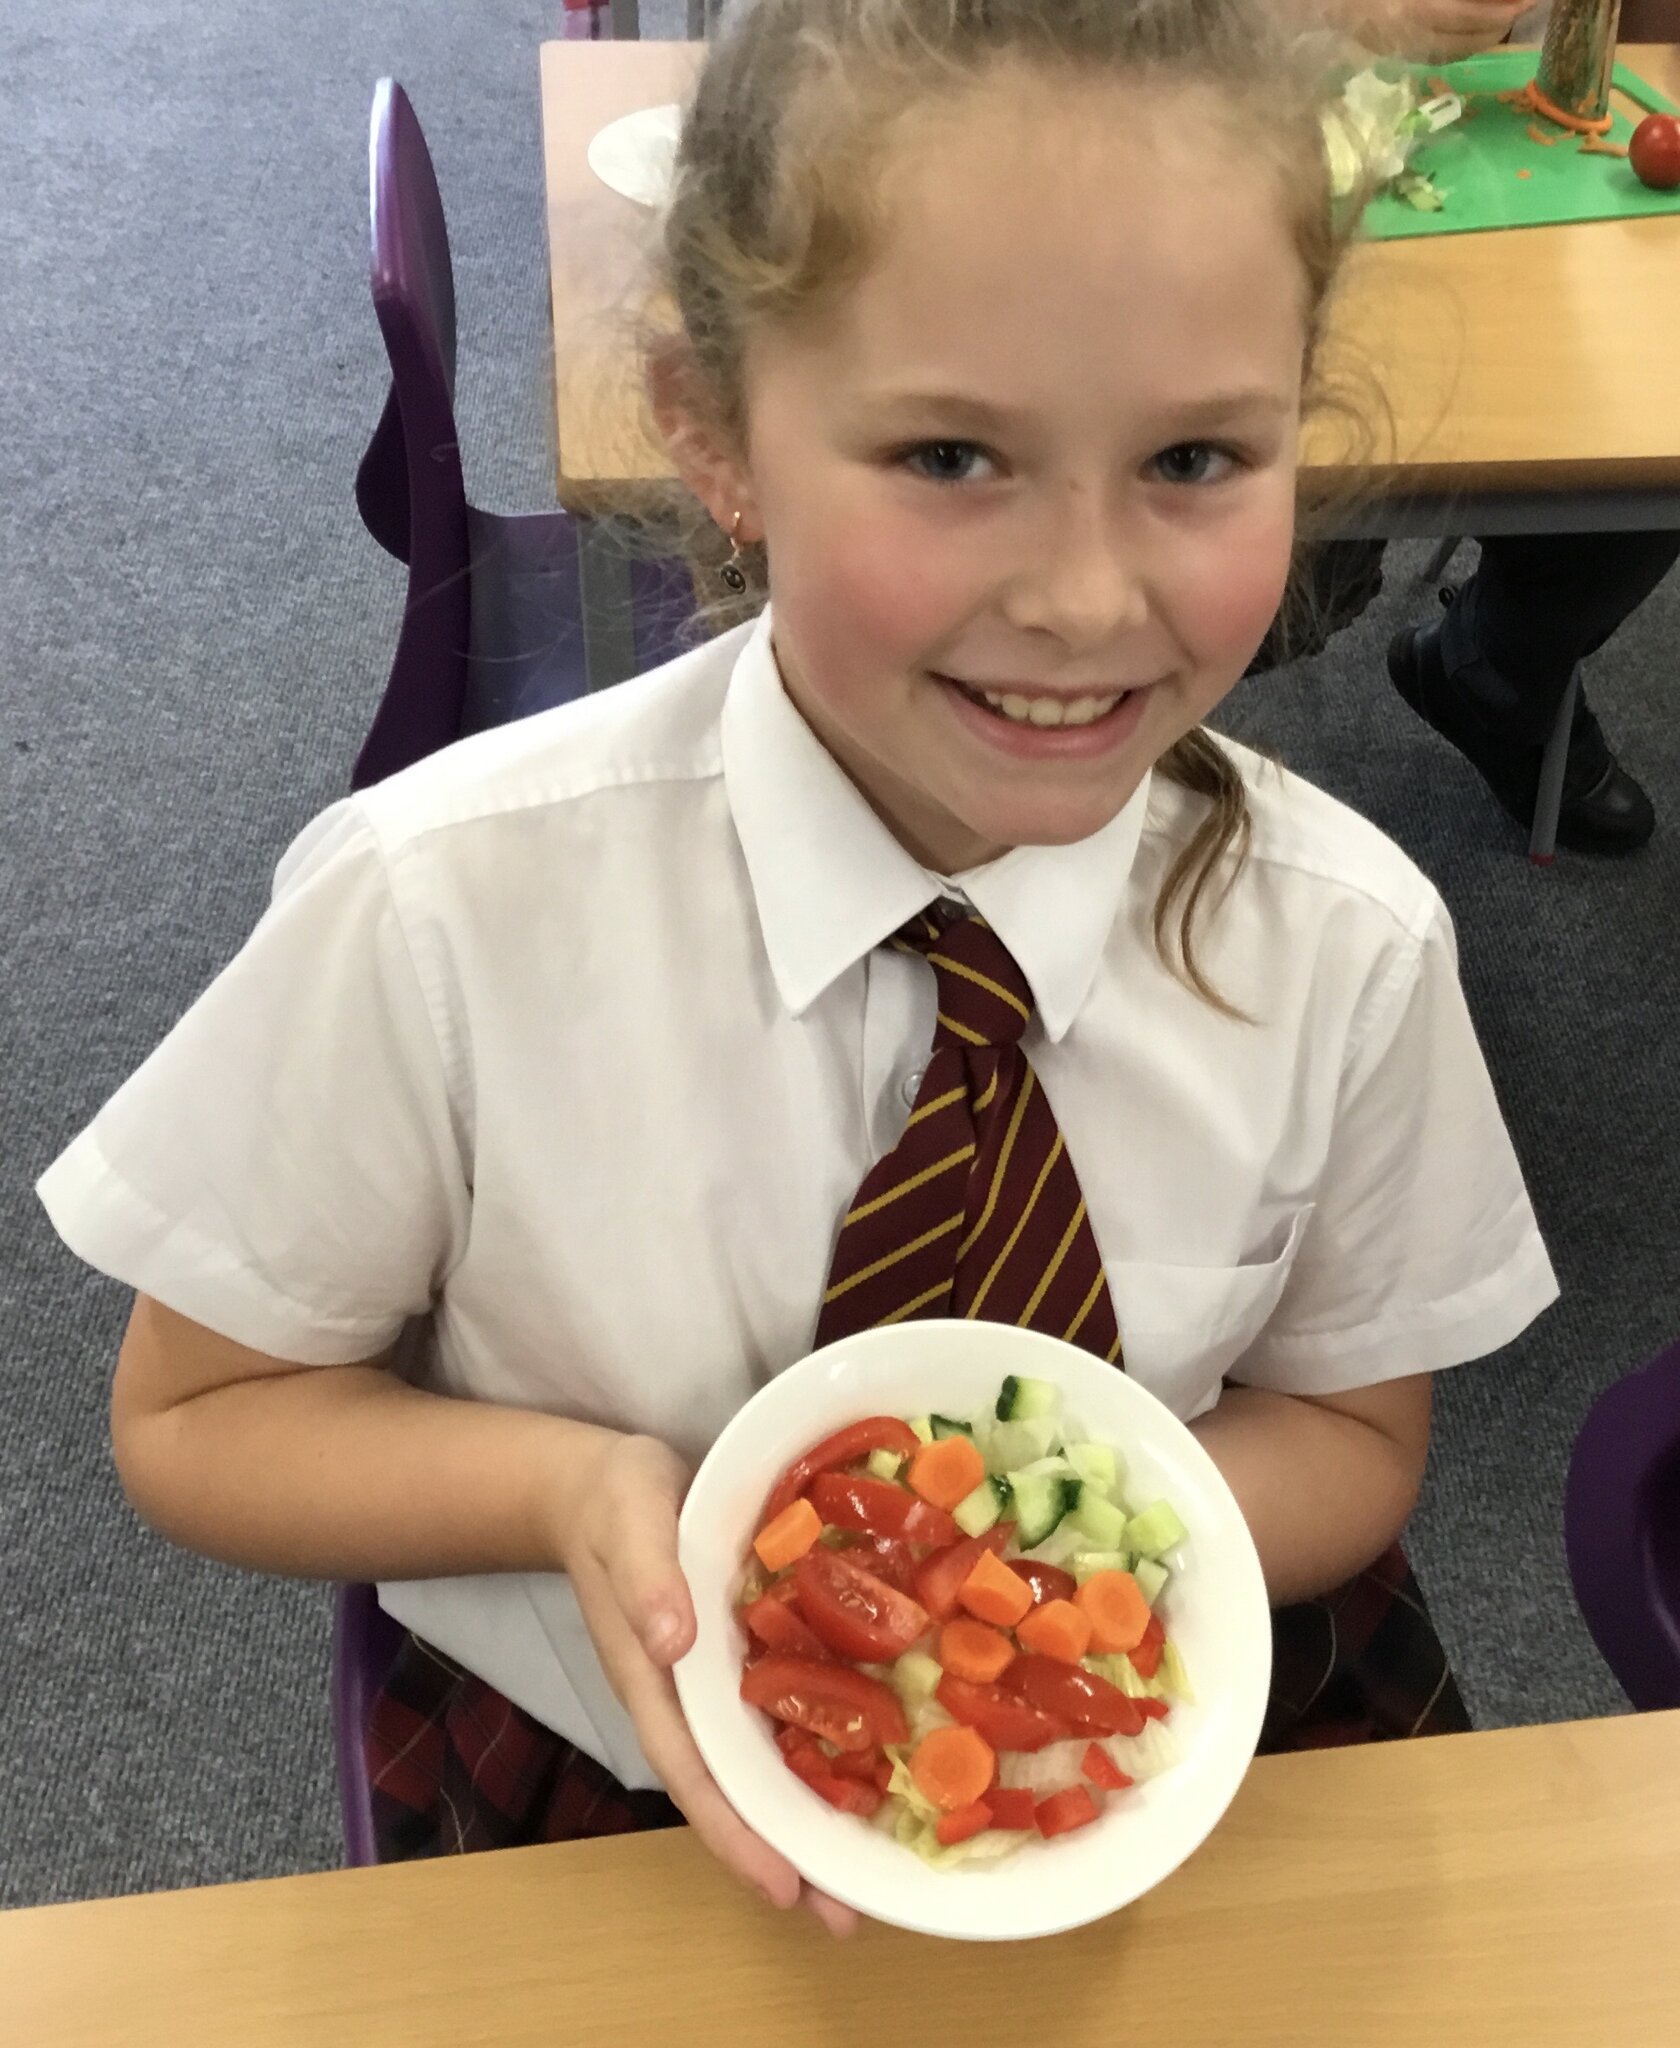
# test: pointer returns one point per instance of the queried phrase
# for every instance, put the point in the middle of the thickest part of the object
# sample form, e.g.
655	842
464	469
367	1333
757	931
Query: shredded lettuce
1371	130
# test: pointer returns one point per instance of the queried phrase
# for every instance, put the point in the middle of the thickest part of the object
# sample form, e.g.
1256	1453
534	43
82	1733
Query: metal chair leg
626	21
1542	841
1449	546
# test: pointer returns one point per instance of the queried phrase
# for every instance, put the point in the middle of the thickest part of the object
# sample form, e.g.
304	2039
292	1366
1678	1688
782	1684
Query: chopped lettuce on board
1371	130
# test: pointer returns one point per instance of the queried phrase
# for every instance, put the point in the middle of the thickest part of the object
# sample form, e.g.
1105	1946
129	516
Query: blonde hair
775	212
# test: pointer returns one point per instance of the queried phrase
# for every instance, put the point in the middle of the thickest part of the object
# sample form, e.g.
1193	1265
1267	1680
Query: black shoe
1603	811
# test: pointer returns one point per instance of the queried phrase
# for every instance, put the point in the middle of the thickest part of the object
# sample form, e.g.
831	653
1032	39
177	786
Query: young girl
521	1143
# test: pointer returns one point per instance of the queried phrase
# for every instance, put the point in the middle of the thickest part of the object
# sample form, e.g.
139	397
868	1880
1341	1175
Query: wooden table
1517	1889
1533	374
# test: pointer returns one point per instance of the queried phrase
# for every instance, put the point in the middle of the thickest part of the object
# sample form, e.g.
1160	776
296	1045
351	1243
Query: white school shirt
576	1039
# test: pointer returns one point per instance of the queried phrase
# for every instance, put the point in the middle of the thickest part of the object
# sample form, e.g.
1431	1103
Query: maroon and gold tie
976	1211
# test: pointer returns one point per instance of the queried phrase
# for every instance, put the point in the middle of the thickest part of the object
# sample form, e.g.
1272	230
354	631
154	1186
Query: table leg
626	21
1542	843
608	605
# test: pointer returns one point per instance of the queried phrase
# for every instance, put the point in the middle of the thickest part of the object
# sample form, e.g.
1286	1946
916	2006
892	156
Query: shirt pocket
1182	1328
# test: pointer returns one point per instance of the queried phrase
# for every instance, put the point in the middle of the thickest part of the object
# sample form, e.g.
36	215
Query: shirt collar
830	882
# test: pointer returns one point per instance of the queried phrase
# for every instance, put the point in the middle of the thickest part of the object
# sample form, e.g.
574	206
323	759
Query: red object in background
1654	152
587	21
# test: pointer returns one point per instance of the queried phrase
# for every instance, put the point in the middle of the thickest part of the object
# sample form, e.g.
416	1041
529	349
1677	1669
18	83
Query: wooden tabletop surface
1515	1889
1533	359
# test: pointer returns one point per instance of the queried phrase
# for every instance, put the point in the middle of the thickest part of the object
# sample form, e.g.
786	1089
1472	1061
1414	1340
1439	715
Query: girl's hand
1432	31
619	1543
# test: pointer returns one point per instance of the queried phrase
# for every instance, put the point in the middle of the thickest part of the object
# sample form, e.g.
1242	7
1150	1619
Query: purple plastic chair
491	632
364	1647
1621	1517
493	627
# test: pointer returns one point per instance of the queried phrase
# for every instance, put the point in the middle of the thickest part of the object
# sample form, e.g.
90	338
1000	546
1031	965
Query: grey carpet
193	632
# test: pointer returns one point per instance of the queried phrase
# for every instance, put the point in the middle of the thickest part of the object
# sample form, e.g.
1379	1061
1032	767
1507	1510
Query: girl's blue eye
1190	462
944	462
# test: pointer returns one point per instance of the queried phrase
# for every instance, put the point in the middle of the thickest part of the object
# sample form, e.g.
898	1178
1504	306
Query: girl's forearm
1324	1495
348	1472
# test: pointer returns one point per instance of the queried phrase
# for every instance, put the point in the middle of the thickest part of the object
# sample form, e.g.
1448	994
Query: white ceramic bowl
1215	1610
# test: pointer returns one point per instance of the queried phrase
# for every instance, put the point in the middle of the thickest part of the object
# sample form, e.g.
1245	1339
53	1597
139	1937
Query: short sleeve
286	1167
1422	1250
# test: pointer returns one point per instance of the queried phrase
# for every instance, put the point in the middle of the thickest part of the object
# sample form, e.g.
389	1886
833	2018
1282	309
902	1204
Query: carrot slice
971	1650
993	1593
1057	1629
1114	1605
946	1471
966	1821
789	1536
953	1767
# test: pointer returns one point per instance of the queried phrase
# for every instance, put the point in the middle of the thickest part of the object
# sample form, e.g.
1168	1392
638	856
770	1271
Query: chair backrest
364	1647
410	486
1622	1530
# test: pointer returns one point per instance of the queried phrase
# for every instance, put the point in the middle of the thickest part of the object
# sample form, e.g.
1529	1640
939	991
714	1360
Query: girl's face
1028	500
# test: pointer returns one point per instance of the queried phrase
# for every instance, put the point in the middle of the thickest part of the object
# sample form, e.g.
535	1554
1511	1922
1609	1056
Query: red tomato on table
842	1706
1654	152
855	1613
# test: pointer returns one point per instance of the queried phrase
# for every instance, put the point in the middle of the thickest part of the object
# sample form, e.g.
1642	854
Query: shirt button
912	1086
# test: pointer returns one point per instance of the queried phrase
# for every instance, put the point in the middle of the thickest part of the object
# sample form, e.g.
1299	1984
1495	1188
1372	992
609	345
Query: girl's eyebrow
1202	414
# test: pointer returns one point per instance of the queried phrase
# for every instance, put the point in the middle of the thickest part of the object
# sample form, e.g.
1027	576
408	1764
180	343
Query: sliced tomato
845	1447
861	1764
1102	1770
1153	1709
777	1623
849	1794
940	1578
1048	1581
876	1507
1146	1656
966	1821
855	1613
845	1707
1004	1721
894	1562
1064	1811
1013	1811
1089	1704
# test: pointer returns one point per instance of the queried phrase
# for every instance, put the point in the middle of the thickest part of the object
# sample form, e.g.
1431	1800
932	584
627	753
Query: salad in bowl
983	1644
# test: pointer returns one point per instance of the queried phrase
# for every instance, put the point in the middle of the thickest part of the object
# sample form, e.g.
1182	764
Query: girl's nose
1083	582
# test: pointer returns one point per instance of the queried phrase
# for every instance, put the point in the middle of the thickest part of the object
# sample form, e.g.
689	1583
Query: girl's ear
710	470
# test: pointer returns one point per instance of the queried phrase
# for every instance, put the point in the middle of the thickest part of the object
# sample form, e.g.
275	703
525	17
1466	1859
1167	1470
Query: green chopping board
1492	173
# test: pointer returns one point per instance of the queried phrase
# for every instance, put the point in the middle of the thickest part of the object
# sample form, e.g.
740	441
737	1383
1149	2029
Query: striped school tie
976	1211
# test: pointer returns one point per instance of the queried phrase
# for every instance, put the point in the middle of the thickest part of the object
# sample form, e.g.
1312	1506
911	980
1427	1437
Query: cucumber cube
1156	1530
1021	1400
976	1512
1100	1519
1087	1563
1095	1465
885	1464
1151	1578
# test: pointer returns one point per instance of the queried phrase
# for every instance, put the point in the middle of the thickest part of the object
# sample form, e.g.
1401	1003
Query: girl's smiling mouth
1060	720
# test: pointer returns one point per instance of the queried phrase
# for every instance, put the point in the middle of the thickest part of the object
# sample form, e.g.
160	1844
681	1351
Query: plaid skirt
453	1766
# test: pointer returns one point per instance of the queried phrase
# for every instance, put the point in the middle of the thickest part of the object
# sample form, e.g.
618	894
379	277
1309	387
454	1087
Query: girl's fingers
650	1699
838	1919
640	1557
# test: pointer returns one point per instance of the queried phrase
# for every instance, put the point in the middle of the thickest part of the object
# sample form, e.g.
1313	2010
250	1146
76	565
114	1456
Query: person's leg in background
1490	675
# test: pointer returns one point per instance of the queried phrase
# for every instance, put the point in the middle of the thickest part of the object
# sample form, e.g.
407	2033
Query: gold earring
734	576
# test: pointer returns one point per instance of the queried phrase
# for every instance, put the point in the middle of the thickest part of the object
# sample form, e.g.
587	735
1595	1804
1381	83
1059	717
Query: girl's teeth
1050	710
